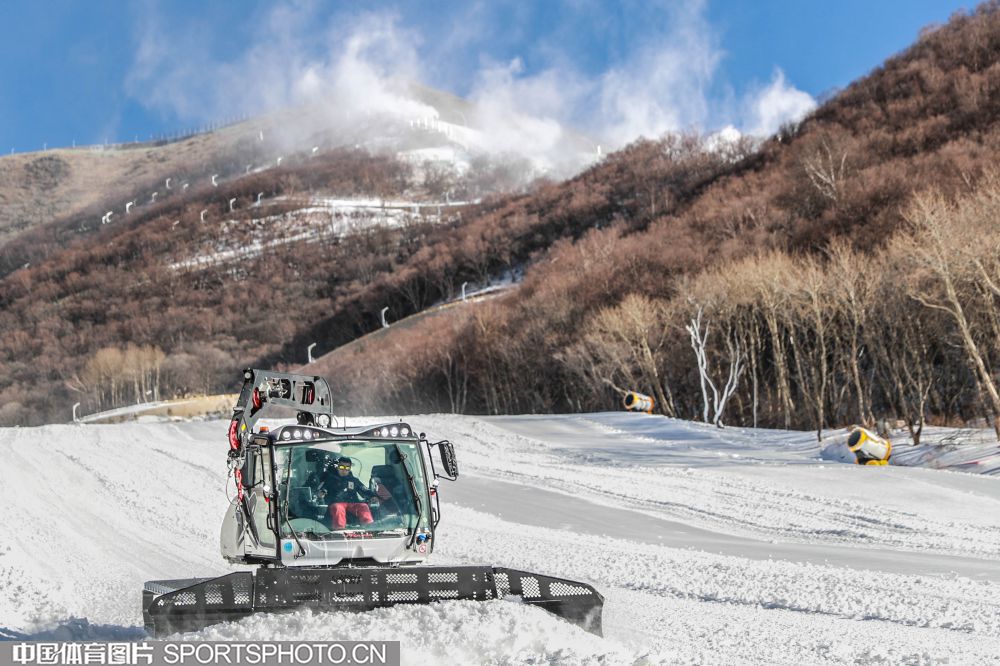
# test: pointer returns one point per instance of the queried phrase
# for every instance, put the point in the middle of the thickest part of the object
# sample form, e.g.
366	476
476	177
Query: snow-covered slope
711	546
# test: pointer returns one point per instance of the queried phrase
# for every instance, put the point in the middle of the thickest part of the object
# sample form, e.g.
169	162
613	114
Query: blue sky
103	69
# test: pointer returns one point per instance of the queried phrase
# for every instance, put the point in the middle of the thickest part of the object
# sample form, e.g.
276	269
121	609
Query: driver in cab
346	494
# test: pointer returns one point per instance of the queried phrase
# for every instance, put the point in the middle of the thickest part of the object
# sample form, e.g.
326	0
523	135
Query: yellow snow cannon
638	402
869	448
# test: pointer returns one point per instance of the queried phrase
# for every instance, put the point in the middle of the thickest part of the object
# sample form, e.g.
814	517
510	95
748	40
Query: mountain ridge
632	233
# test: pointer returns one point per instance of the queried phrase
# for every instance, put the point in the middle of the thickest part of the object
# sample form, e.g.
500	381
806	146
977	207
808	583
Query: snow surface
710	546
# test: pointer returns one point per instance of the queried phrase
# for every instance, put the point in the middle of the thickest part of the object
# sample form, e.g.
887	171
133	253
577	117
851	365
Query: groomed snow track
710	546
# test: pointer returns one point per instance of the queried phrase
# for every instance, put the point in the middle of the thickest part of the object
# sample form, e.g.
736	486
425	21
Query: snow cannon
638	402
337	519
868	448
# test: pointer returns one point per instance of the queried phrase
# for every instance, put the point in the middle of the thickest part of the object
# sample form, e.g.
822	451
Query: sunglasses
343	467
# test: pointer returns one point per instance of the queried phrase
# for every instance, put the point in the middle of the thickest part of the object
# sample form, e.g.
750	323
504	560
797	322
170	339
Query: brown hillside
37	188
774	250
615	264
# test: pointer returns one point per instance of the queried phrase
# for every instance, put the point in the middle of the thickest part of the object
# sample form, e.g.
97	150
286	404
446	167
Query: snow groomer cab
318	493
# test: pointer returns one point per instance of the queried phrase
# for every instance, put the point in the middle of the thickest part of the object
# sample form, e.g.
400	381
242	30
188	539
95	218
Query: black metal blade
193	604
577	602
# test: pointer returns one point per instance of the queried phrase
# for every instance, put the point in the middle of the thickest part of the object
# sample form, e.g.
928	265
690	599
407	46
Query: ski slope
710	546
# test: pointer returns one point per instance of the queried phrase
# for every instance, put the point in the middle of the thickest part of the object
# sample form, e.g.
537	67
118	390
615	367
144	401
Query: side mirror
448	460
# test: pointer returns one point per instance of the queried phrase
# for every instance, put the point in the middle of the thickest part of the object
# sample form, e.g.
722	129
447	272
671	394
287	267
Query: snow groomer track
710	546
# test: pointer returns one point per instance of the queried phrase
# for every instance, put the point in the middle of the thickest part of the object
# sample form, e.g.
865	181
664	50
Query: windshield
336	488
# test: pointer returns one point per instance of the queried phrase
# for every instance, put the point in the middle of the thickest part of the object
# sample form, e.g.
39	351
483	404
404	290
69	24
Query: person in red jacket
347	495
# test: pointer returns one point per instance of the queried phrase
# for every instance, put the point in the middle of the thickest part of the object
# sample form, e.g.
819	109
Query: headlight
323	420
404	432
286	435
297	434
394	431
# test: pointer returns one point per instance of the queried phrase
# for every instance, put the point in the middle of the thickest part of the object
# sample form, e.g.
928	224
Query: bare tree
826	168
852	285
813	348
699	343
628	343
937	249
770	276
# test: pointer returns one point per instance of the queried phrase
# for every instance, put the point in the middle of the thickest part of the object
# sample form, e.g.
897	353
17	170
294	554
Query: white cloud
526	114
662	87
778	103
364	65
665	87
361	70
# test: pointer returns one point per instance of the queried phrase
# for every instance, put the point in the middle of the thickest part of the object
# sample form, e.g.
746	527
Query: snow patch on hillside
320	219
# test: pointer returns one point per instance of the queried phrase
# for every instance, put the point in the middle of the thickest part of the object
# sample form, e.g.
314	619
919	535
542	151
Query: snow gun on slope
337	519
869	448
638	402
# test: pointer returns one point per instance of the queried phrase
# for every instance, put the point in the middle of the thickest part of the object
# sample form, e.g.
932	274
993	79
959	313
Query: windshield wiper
413	491
283	509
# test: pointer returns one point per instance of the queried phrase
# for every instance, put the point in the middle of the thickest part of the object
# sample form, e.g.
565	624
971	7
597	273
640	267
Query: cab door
259	509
